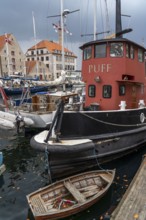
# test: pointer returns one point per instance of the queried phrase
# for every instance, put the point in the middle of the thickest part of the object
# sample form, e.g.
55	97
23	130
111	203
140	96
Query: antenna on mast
63	15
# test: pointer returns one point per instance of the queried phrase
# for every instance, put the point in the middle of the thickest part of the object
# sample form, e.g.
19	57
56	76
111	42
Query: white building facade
50	53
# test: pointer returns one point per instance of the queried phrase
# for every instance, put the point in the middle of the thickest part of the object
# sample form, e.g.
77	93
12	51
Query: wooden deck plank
74	191
134	200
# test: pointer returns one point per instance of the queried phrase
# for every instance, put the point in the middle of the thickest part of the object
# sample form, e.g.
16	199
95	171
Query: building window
87	53
13	60
41	51
59	66
116	49
42	58
107	91
91	91
100	51
47	58
32	52
12	53
13	67
140	55
122	90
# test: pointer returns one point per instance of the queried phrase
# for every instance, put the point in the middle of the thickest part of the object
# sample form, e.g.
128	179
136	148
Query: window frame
109	92
102	53
122	90
87	53
117	49
92	91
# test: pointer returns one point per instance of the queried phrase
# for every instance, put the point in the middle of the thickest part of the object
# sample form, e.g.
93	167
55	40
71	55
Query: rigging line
109	123
107	17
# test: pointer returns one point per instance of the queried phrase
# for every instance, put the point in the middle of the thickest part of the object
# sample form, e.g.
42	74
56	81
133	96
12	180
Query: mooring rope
114	124
47	164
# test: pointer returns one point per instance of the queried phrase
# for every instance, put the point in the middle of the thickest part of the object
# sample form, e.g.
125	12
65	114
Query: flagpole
7	51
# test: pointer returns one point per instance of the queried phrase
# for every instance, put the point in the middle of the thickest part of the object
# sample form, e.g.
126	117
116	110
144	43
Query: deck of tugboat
70	142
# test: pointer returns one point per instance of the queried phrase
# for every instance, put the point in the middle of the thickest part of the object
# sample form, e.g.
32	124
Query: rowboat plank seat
75	192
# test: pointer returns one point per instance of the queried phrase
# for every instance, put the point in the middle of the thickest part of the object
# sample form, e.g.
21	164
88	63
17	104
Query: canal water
25	173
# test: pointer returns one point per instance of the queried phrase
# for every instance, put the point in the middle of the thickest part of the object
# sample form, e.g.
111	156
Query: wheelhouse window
131	52
107	91
127	51
87	53
122	90
116	49
91	91
100	51
140	55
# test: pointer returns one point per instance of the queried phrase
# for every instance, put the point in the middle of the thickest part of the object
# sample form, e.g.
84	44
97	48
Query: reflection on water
25	174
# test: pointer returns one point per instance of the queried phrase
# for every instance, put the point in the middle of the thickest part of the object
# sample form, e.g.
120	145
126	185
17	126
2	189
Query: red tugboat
114	71
113	122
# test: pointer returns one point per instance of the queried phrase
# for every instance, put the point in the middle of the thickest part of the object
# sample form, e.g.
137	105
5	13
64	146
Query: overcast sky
16	18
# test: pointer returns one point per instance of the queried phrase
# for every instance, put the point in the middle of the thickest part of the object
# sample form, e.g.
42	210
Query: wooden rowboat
71	195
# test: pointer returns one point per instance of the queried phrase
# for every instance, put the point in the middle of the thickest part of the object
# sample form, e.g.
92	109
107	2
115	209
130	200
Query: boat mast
7	51
34	31
95	13
118	18
62	34
118	29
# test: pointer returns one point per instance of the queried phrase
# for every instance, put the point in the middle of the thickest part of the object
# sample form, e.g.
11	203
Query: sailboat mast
118	18
34	30
95	13
7	51
62	33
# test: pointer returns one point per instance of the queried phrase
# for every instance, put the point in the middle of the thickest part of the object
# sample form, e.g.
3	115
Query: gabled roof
50	46
3	41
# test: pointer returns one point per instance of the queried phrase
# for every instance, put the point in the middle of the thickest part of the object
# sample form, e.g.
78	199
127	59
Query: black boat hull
97	149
